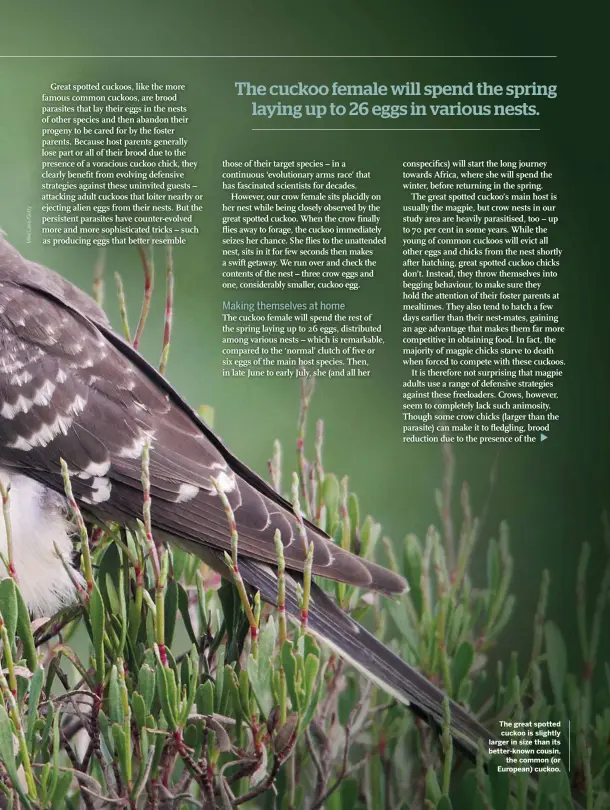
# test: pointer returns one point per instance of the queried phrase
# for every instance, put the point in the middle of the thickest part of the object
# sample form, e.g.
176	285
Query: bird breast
41	536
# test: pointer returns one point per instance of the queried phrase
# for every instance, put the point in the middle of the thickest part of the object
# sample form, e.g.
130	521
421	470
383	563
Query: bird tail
370	657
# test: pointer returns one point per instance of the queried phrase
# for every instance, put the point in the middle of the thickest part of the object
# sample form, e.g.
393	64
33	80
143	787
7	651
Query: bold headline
411	98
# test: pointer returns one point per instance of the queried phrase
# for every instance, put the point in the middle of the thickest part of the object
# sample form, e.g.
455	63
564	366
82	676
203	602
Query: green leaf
413	569
124	755
348	796
353	510
146	685
512	678
463	696
557	659
33	700
457	626
9	606
159	744
259	669
193	735
139	709
331	494
220	668
226	680
433	790
471	794
166	689
243	687
289	663
180	560
62	786
97	619
115	704
191	684
171	611
44	779
143	774
505	616
309	646
107	575
7	755
266	642
553	789
312	665
122	618
444	803
235	620
24	631
494	570
369	535
500	783
56	753
399	612
204	698
45	731
236	705
601	803
313	703
461	665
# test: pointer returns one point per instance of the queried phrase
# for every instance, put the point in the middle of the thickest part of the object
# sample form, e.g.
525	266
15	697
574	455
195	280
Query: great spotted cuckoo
71	388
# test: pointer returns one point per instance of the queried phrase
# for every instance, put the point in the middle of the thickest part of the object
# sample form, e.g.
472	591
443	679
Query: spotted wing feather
73	389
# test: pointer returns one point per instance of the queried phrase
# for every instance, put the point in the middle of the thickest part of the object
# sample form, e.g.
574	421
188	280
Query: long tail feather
372	658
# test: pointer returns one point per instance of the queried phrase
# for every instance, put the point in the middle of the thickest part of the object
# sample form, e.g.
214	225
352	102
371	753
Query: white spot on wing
78	405
187	492
44	434
20	378
22	405
74	348
101	489
10	364
226	482
45	393
94	468
136	448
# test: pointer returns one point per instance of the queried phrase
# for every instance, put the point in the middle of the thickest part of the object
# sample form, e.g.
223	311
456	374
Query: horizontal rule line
395	129
274	56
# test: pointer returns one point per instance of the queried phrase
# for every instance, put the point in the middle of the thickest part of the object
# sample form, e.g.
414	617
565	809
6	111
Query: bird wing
73	389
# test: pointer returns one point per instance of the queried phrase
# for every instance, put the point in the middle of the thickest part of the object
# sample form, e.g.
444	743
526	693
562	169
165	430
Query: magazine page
303	434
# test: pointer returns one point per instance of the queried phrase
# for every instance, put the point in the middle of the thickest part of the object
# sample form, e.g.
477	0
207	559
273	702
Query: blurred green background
551	494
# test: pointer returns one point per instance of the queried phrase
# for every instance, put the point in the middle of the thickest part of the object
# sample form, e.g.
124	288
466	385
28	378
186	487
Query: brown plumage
71	388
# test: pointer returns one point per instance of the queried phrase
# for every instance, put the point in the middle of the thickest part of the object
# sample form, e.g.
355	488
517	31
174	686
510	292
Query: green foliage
175	697
162	689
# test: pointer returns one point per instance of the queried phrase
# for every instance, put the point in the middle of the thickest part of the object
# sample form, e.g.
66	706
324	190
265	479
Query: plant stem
120	291
6	511
80	523
149	279
169	310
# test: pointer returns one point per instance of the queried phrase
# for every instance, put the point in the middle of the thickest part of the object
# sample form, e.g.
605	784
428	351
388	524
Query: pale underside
40	532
